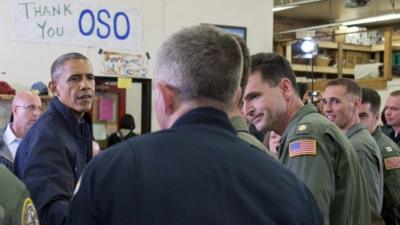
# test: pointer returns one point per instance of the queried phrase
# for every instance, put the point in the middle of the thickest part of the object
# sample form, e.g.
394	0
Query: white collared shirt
11	140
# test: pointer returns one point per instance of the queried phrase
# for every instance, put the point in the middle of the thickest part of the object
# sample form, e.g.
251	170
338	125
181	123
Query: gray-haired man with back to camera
196	169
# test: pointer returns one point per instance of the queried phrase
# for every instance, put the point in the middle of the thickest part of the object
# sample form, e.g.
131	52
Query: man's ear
13	109
377	116
286	88
167	97
53	87
356	103
237	98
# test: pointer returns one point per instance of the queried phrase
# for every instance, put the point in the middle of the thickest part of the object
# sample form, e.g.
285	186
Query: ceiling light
293	4
281	8
372	19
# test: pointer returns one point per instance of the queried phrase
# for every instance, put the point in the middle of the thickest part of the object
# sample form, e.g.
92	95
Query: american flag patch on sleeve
303	147
392	163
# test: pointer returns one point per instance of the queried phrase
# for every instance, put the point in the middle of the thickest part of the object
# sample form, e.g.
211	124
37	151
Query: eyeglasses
30	108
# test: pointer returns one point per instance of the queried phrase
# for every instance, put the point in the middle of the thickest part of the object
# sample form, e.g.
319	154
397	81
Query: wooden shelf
348	71
358	48
396	46
328	44
10	97
6	97
374	83
321	69
342	51
317	69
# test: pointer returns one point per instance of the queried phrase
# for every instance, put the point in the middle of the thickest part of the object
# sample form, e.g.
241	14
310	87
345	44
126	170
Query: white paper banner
77	23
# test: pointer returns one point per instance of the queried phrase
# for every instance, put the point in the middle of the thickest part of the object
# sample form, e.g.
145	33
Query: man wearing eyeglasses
26	109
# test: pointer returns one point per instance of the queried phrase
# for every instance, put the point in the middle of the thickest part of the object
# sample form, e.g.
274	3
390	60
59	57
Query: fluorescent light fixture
294	4
281	8
348	23
372	19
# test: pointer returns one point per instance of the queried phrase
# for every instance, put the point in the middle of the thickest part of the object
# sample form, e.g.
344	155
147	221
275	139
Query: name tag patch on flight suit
389	149
392	163
302	147
29	215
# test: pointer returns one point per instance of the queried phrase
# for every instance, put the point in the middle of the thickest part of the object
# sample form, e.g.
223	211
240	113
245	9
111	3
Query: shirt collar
9	135
239	123
354	129
205	116
74	124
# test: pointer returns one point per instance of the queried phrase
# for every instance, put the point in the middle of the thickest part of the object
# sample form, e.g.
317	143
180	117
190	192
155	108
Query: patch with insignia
29	215
303	147
389	149
303	128
392	163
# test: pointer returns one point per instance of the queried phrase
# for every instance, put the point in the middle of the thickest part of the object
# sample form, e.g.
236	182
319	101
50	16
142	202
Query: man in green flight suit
16	207
341	101
311	147
237	120
369	116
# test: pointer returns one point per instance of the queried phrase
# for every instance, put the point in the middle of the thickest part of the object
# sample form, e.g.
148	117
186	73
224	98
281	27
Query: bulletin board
118	97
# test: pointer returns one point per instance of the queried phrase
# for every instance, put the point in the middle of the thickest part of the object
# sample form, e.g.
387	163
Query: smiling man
341	101
313	148
54	152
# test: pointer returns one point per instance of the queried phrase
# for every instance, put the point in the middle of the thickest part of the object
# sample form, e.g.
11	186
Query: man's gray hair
57	66
202	63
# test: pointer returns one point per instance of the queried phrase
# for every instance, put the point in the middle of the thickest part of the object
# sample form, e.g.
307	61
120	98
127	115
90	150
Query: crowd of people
323	160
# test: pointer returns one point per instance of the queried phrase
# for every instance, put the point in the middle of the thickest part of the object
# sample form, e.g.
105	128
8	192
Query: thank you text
77	23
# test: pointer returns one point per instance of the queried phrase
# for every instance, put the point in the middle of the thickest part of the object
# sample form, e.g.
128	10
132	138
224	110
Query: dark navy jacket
50	160
197	172
389	131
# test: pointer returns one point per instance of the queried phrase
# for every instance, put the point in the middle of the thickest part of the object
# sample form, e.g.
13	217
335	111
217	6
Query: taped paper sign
124	64
103	25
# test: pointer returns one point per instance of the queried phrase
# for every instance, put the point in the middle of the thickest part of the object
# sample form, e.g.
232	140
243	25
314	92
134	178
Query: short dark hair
351	86
273	69
59	62
395	93
372	97
127	122
383	118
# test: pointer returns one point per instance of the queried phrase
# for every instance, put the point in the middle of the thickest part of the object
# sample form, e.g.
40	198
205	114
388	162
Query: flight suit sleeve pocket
392	185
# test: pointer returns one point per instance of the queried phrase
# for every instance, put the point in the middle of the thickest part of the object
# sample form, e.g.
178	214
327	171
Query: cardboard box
354	58
322	60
